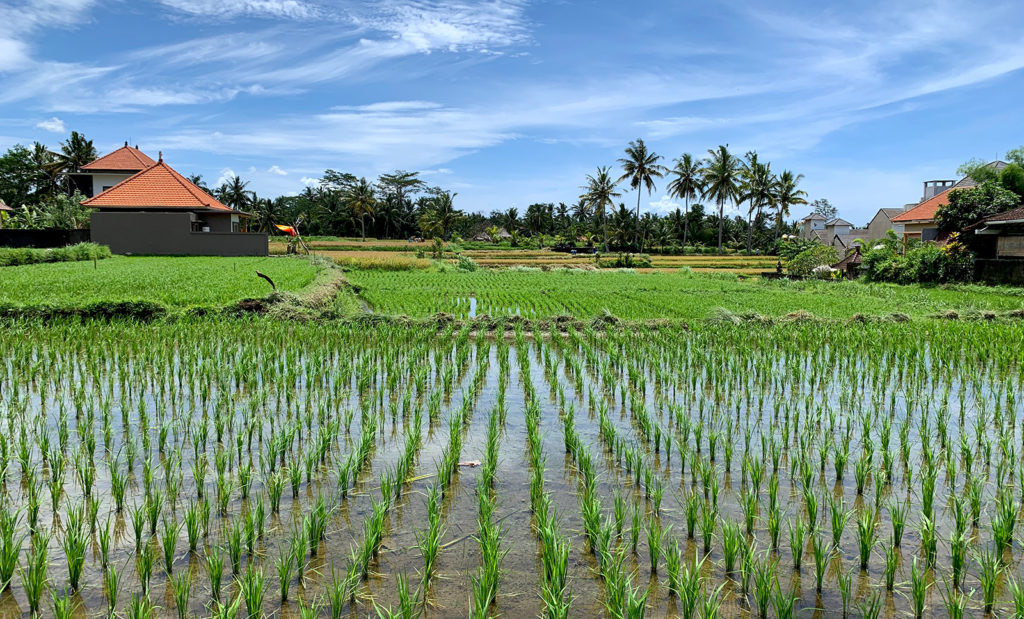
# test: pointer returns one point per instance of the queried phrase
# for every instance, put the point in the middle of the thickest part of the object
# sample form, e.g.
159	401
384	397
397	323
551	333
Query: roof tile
925	211
126	158
158	186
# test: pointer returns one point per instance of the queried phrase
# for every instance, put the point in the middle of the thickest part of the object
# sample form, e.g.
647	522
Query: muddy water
613	383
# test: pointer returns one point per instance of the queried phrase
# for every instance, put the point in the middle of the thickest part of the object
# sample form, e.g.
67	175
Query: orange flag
289	230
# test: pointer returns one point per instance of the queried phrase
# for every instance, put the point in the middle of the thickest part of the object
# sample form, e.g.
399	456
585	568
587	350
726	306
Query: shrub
73	253
383	263
628	261
805	263
466	263
924	263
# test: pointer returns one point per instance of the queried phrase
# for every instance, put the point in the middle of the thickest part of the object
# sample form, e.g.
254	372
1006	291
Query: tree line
36	181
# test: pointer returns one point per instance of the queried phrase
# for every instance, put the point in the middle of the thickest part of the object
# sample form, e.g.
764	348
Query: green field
641	296
169	281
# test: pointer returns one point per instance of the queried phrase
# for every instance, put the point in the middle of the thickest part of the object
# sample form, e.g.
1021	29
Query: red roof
158	186
925	211
125	159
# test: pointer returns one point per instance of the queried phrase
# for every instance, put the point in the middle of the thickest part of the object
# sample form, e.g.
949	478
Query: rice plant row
228	468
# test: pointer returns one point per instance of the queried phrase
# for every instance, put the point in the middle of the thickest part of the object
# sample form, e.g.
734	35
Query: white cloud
227	9
274	169
664	205
53	125
226	175
309	181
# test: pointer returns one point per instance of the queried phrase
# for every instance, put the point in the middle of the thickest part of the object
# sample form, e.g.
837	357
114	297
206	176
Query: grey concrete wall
170	234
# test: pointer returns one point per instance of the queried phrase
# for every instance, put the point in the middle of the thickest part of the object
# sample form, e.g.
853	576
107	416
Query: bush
73	253
466	263
805	263
628	261
925	263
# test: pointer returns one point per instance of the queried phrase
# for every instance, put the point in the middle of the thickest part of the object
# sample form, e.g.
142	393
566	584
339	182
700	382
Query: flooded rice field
336	470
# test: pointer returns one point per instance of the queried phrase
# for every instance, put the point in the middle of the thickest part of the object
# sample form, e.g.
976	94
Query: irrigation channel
298	470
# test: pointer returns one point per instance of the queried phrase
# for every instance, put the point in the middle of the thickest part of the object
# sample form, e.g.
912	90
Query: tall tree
75	152
787	194
600	194
440	216
640	167
758	190
361	199
234	193
687	183
721	182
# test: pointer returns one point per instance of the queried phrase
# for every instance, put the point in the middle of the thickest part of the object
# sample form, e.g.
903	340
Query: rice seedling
169	542
33	573
839	518
821	555
253	589
181	588
891	564
64	606
111	582
867	535
845	581
990	567
214	562
655	537
764	583
784	602
74	543
796	542
918	590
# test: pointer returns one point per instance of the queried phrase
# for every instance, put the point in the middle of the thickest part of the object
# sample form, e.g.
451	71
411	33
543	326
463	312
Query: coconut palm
599	193
233	193
441	216
786	195
640	167
581	211
361	199
758	190
722	182
75	152
688	183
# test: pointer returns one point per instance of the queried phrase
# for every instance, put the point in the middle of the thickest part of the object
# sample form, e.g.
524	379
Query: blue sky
509	102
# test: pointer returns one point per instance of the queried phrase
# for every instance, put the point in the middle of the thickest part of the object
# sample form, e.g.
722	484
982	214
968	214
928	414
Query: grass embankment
649	296
149	285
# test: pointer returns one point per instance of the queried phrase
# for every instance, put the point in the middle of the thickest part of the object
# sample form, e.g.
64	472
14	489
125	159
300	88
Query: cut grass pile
174	282
644	296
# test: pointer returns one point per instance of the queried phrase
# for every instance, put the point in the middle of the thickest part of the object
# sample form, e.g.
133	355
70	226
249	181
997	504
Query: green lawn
170	281
657	295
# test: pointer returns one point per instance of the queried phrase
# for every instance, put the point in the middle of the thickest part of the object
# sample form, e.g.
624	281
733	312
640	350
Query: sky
510	102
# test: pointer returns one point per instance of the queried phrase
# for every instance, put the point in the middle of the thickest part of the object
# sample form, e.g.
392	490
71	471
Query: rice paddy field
170	281
644	296
265	468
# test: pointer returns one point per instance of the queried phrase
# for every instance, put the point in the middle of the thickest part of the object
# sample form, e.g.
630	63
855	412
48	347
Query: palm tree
641	167
265	211
510	219
758	190
687	184
787	195
599	193
581	211
441	216
234	193
721	182
362	201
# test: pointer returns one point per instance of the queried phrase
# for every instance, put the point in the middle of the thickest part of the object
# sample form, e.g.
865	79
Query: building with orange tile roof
158	211
97	176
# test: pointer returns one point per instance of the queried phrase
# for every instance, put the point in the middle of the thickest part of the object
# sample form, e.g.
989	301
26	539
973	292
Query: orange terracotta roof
4	207
925	211
158	186
127	158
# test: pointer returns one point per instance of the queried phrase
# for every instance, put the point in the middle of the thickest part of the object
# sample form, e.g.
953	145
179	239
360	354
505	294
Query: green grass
639	296
169	281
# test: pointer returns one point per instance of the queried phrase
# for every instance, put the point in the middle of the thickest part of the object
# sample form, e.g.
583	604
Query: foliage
72	253
804	263
1012	179
61	212
924	263
790	247
823	207
968	206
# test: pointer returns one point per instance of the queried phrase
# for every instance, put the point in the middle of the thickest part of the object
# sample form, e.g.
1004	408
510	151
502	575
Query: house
918	222
881	223
810	225
4	209
100	175
157	211
1008	230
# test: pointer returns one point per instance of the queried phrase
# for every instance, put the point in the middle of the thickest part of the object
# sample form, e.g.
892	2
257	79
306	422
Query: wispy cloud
227	9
